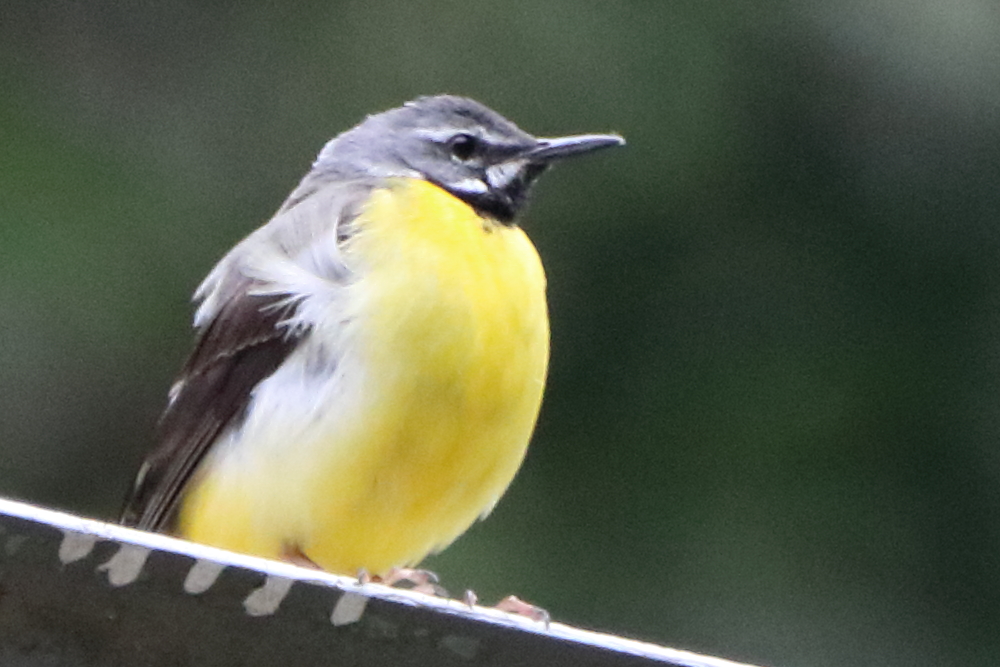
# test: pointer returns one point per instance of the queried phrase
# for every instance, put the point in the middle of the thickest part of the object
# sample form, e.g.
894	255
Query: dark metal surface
79	592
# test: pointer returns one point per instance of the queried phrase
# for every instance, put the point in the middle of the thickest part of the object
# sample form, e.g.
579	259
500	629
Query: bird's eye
462	146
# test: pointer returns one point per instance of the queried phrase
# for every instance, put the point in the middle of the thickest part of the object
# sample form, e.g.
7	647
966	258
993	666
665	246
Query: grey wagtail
369	364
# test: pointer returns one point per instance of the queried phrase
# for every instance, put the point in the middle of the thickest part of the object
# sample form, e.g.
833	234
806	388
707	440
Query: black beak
548	150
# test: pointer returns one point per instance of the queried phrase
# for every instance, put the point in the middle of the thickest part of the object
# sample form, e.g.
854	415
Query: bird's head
458	144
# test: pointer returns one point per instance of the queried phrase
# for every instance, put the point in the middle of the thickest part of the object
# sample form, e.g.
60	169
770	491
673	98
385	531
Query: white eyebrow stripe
438	134
444	134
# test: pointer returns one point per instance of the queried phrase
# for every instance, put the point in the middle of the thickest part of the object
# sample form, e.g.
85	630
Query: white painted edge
108	531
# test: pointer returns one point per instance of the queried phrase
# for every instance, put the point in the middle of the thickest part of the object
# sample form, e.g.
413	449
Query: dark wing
242	345
253	315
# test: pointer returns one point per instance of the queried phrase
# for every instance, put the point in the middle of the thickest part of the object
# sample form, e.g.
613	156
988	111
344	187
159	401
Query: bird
368	365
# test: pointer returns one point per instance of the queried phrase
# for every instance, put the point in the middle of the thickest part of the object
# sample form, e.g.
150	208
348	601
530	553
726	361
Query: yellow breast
448	335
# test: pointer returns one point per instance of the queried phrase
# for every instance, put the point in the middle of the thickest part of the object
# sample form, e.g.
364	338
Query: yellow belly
445	348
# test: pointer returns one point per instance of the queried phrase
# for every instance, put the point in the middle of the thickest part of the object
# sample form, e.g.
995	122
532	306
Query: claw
470	598
515	605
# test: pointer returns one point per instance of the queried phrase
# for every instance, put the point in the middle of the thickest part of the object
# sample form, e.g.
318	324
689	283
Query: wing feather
256	308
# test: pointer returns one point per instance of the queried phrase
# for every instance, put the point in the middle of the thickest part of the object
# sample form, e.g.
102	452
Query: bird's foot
408	578
515	605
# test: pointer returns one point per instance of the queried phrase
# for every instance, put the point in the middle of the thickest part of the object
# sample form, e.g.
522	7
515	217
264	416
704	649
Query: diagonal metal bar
82	593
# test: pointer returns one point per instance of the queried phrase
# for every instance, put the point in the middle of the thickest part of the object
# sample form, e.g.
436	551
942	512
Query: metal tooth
265	600
124	567
349	609
202	576
75	546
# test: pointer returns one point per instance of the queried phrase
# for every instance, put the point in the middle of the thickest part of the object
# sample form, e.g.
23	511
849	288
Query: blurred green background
771	429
